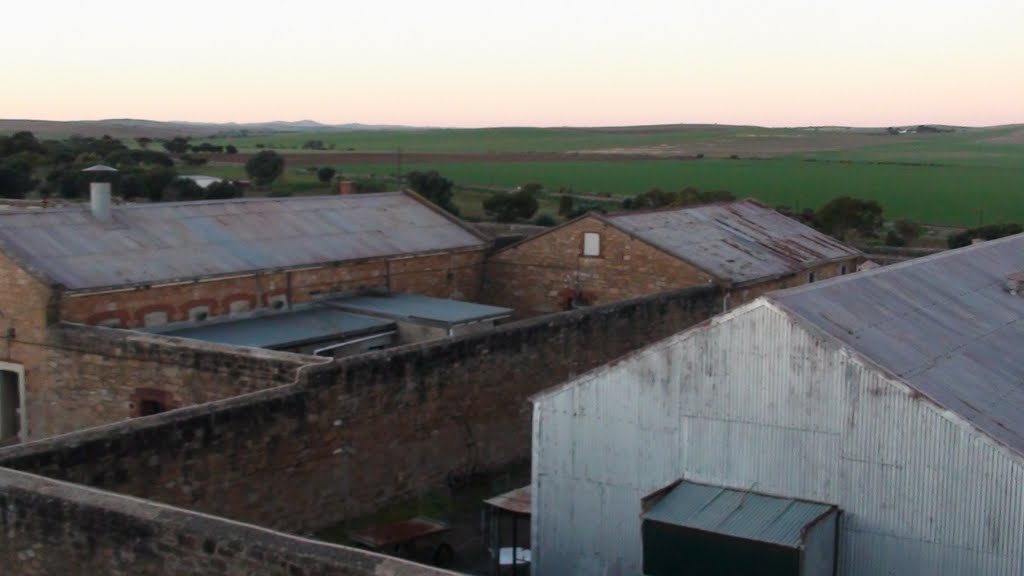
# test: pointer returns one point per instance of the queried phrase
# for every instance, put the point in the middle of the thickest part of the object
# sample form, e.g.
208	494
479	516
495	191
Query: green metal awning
736	513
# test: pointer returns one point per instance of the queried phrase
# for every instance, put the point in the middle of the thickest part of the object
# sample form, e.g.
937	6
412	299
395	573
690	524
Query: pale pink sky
542	63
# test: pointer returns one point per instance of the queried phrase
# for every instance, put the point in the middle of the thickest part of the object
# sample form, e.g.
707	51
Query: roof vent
1015	283
99	192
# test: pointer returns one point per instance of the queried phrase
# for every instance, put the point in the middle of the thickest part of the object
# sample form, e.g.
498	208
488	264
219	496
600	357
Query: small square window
199	313
591	244
110	323
154	319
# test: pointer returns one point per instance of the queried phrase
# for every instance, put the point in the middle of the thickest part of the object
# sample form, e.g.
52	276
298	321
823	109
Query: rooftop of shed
167	242
735	241
945	324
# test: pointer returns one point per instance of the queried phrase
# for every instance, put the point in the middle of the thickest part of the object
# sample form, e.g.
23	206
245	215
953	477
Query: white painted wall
756	401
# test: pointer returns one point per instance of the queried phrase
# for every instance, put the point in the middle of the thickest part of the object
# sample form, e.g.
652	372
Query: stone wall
55	528
362	432
541	275
87	376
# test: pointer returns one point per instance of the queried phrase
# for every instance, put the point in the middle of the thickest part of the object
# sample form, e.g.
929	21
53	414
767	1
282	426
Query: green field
961	178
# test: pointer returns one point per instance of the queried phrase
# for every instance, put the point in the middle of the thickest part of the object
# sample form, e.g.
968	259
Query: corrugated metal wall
758	402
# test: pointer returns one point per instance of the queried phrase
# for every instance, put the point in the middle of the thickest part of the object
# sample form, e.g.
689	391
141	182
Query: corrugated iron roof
517	501
153	243
737	513
737	241
944	324
401	532
417	307
281	330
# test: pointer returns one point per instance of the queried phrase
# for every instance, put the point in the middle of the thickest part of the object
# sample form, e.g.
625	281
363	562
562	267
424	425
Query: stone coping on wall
180	426
65	513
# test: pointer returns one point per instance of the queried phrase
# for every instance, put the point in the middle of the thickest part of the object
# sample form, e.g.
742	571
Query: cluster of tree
370	185
325	174
986	232
265	167
902	233
316	145
515	206
435	188
845	214
180	145
54	168
569	208
689	196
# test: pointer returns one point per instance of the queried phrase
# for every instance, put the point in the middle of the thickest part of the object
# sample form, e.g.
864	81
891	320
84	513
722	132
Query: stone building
147	265
870	424
744	247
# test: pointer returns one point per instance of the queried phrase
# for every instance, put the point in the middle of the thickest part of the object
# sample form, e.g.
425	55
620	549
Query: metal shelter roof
282	330
517	501
946	325
417	307
737	241
166	242
737	513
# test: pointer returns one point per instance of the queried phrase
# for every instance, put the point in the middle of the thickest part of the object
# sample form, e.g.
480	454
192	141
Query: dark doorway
150	407
10	405
673	550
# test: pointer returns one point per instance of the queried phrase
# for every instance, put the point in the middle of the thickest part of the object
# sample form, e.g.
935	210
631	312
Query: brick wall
25	303
73	382
87	376
365	431
451	275
743	294
537	277
55	528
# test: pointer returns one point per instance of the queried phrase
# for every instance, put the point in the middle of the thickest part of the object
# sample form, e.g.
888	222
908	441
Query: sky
524	63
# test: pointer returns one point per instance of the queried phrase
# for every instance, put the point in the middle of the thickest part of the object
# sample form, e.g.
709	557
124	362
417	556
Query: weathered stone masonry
357	434
57	402
56	528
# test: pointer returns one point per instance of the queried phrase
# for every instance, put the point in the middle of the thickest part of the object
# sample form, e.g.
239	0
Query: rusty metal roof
517	501
946	325
736	241
386	535
154	243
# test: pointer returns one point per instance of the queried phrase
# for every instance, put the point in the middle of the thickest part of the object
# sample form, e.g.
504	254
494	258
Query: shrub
545	220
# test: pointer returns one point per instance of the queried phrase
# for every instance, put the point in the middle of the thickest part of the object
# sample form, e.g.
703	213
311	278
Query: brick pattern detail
365	431
536	276
545	273
456	275
86	376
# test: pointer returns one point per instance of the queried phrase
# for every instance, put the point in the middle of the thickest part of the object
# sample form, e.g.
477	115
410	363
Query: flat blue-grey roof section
416	307
737	513
286	329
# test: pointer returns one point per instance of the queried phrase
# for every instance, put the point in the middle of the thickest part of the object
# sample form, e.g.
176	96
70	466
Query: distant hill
133	128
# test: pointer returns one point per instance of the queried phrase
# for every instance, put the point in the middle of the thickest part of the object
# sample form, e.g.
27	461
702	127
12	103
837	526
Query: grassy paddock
950	195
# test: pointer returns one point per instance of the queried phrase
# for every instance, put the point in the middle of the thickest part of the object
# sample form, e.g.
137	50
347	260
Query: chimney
99	194
345	187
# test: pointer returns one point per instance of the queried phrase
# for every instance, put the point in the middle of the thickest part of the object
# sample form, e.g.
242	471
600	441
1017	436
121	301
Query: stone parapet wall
55	528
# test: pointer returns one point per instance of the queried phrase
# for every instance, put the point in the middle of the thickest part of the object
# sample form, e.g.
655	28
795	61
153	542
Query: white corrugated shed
766	399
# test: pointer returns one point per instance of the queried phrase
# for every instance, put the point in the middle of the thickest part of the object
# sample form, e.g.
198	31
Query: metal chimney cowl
99	194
